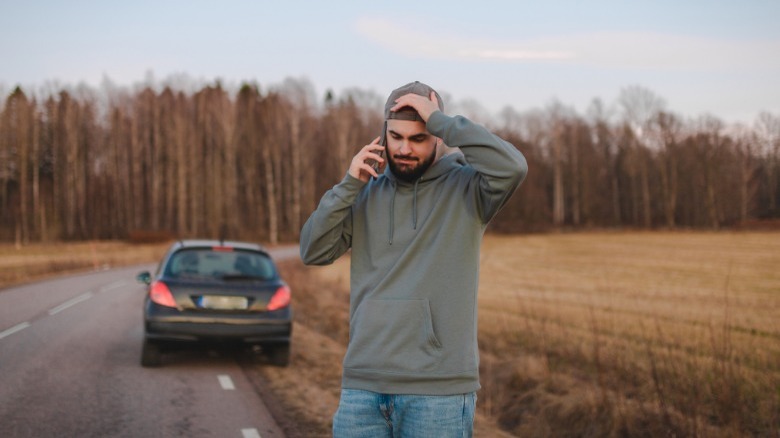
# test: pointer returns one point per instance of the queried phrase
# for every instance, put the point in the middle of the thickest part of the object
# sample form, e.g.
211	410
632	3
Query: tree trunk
668	173
559	212
296	173
270	195
645	182
36	181
576	180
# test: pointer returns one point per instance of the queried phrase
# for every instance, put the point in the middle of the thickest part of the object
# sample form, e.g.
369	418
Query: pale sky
715	57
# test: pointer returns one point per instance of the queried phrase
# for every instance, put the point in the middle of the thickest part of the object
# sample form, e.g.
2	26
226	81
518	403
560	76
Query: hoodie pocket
393	336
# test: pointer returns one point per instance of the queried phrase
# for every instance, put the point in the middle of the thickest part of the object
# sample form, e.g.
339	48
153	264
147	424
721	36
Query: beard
410	172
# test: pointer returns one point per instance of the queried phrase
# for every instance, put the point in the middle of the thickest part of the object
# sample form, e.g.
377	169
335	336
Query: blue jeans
369	414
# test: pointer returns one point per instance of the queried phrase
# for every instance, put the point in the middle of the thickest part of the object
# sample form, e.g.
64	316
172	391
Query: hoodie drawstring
414	206
392	216
391	231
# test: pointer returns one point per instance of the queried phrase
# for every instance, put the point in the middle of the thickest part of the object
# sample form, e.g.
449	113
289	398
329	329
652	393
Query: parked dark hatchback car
214	291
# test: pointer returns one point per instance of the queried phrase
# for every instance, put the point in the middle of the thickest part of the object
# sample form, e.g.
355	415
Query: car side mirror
144	277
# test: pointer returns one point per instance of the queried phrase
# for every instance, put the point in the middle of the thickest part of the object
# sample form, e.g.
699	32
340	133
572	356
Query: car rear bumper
178	331
166	325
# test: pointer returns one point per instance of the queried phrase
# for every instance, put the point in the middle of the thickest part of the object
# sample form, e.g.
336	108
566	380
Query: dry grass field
615	334
37	261
590	335
586	334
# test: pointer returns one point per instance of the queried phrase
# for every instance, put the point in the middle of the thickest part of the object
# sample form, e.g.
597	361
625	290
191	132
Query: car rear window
220	264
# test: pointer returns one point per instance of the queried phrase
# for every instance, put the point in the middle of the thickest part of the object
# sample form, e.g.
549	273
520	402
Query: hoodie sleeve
500	166
327	234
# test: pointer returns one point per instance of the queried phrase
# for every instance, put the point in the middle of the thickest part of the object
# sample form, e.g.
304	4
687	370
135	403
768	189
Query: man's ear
441	148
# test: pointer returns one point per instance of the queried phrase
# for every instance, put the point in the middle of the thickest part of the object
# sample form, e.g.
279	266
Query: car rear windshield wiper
229	277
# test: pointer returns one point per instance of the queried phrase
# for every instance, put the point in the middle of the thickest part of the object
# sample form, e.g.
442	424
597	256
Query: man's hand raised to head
423	105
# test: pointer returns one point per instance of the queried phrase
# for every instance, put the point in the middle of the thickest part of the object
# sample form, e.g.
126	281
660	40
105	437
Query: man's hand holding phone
368	162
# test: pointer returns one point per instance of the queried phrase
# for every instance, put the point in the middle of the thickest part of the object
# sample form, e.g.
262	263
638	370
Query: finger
373	151
369	170
405	100
372	160
381	167
374	156
362	171
434	99
373	146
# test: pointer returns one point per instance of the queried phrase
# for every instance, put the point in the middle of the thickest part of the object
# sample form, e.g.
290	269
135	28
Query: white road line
250	433
226	382
112	286
14	329
73	301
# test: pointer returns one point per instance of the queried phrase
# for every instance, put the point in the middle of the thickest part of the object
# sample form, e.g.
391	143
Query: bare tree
19	117
228	199
65	147
640	107
248	137
767	128
604	140
557	139
341	134
745	145
668	128
272	131
300	95
181	143
6	167
709	146
531	207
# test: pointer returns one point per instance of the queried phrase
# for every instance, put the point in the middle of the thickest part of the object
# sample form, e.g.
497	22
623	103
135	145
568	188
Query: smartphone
383	142
375	164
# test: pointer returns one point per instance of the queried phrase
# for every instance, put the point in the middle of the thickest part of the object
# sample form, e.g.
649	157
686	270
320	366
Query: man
412	364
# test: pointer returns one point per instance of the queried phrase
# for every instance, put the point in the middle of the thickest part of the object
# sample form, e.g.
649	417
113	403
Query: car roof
210	243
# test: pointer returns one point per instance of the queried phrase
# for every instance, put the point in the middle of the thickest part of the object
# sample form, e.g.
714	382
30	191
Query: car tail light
160	294
280	299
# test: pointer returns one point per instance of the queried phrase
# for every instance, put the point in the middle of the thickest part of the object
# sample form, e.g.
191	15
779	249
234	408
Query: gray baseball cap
407	113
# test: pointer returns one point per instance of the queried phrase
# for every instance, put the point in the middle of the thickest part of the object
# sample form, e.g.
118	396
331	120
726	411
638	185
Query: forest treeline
102	164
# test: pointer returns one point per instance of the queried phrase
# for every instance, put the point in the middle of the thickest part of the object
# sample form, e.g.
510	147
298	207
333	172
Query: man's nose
405	147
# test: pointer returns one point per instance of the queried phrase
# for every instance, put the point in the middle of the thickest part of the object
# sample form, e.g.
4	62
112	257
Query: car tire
279	355
151	354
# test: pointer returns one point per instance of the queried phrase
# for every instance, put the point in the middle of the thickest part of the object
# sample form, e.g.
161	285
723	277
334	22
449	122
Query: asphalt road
70	367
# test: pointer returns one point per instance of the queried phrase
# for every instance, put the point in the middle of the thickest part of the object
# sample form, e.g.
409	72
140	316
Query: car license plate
221	302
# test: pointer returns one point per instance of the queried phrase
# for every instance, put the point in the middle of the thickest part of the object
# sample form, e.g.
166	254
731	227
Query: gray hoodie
415	261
